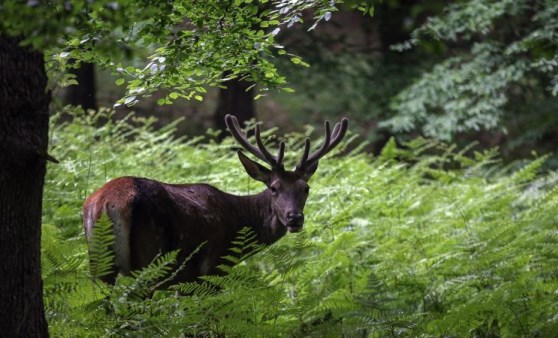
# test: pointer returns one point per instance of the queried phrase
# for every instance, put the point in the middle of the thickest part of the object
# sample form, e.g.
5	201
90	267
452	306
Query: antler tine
335	130
338	133
237	133
281	154
320	152
260	151
304	157
330	141
269	158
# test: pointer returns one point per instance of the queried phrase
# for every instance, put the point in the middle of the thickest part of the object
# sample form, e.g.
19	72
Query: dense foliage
181	46
426	240
500	72
456	71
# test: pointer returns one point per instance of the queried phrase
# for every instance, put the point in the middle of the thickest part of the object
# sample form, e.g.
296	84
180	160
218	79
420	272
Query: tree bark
24	117
237	100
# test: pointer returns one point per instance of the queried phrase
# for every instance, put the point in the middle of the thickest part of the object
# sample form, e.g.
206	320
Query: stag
150	217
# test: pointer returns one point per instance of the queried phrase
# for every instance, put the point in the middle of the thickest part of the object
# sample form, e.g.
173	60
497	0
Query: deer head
288	189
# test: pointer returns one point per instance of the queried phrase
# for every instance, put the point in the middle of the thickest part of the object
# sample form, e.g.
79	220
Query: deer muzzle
295	220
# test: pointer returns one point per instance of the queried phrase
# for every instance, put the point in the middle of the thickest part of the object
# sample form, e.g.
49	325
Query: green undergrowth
423	240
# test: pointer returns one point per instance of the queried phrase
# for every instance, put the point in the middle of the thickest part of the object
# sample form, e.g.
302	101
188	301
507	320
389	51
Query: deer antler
260	151
330	141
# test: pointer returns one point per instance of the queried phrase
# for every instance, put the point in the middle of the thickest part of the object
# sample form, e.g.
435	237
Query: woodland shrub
499	74
424	240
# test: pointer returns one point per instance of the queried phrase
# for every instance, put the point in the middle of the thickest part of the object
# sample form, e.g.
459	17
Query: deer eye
273	190
307	190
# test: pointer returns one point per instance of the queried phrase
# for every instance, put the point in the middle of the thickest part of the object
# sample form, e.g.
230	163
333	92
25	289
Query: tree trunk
237	100
23	150
83	94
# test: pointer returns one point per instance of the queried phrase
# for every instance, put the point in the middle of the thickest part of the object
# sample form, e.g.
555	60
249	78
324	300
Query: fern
244	246
101	257
428	239
143	282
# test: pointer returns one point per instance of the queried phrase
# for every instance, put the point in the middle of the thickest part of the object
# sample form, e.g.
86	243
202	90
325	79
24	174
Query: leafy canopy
187	44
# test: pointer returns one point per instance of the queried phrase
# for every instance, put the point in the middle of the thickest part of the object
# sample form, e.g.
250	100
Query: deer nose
294	216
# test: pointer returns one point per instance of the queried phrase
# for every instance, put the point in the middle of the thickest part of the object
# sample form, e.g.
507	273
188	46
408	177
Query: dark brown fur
164	217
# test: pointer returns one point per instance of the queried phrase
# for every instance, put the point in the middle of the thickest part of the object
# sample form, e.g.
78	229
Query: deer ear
254	169
308	172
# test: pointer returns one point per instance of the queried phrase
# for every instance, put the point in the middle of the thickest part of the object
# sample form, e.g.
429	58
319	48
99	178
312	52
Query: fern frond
101	255
201	290
143	280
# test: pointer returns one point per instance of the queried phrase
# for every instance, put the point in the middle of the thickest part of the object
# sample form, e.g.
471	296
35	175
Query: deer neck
256	213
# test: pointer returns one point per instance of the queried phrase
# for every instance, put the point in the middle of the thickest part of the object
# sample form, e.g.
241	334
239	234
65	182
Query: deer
150	218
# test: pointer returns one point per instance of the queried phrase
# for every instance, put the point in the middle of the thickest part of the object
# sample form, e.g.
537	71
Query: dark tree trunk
83	94
23	150
392	24
237	100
